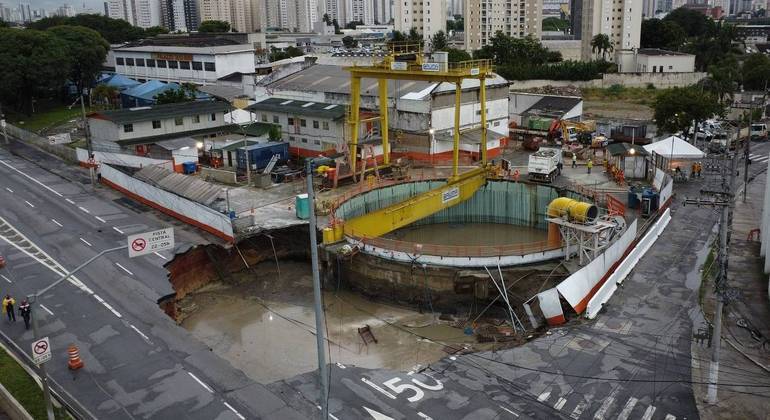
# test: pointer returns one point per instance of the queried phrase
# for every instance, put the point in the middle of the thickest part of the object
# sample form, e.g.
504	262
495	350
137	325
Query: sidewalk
750	308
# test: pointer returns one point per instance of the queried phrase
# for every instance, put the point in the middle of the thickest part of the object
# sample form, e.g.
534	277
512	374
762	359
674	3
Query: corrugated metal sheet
187	186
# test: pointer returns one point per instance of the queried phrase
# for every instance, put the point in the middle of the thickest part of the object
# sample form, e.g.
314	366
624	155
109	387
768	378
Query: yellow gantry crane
405	62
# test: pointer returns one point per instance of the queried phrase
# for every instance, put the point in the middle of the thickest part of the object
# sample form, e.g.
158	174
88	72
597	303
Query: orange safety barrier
74	355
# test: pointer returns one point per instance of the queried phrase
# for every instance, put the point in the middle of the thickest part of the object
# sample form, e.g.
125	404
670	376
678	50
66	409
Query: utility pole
3	124
746	151
88	140
319	313
726	200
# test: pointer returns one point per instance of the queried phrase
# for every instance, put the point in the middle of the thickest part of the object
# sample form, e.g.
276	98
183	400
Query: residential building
383	11
26	12
654	60
620	20
310	128
455	7
216	10
147	13
361	11
516	18
201	65
427	16
122	9
65	10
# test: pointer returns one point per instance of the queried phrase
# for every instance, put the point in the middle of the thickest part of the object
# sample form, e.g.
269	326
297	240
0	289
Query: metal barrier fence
458	250
25	136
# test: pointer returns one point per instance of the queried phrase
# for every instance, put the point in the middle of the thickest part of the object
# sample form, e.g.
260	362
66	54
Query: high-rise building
620	20
122	9
516	18
26	12
455	7
147	13
427	16
240	19
361	11
383	11
216	10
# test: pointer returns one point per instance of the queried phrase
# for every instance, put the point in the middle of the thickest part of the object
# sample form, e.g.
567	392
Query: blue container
302	203
232	214
653	196
260	154
633	198
189	167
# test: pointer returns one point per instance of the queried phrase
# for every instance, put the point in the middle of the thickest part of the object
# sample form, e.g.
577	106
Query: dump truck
543	165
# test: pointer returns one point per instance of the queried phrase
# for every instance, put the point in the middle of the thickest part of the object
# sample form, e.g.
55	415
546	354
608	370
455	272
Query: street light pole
88	140
36	333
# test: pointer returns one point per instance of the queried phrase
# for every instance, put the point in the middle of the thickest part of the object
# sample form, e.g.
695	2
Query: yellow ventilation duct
576	211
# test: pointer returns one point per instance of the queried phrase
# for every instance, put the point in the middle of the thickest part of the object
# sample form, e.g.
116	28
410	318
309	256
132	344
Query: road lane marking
100	219
99	298
544	396
46	309
648	414
6	278
54	220
508	410
599	415
33	179
627	409
167	258
559	404
84	209
29	204
9	190
118	230
331	416
234	410
69	201
208	388
85	242
670	417
425	416
139	332
124	268
378	388
578	410
340	365
111	309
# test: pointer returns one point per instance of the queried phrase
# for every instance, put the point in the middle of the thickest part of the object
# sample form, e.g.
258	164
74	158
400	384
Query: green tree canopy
724	78
756	72
214	26
677	108
354	24
398	36
186	93
289	52
664	34
35	63
326	19
553	23
506	50
114	31
155	31
349	42
336	26
694	23
601	44
86	48
454	55
439	41
414	35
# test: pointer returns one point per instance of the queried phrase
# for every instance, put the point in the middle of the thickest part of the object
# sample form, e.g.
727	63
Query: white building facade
516	18
620	20
427	16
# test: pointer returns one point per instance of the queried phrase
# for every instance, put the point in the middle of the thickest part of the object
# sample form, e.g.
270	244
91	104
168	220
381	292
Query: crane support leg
355	102
483	100
383	85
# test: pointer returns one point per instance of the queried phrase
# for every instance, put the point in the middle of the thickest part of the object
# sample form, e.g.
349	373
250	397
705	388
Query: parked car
758	131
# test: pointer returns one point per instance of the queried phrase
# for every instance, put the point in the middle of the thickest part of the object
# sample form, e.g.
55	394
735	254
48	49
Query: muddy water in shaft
265	326
469	234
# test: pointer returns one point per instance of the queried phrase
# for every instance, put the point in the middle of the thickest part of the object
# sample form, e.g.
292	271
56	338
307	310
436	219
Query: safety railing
416	249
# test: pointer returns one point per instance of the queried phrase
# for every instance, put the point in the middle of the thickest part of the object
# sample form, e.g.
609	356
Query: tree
677	108
185	93
398	36
756	71
555	24
289	52
155	31
414	36
107	95
507	50
4	24
336	27
694	23
454	55
274	134
87	49
115	31
723	79
354	24
34	63
214	26
327	20
601	43
658	33
349	42
439	41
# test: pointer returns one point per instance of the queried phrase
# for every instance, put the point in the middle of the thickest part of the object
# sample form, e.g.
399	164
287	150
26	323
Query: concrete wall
225	177
684	63
660	81
569	49
122	159
43	143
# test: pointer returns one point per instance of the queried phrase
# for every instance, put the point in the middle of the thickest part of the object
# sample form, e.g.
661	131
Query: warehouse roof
229	128
294	107
658	52
176	49
554	105
624	149
160	112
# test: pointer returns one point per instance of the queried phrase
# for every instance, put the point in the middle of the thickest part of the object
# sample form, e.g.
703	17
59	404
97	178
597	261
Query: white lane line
69	201
59	224
544	396
124	268
46	309
425	416
9	190
377	387
111	309
578	410
648	414
139	332
118	230
627	409
84	209
331	416
99	298
6	278
33	179
85	242
100	219
208	388
339	365
167	258
29	204
559	404
670	417
234	410
599	415
508	410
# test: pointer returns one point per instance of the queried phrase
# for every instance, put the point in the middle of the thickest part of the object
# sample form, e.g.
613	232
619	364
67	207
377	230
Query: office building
621	20
427	16
516	18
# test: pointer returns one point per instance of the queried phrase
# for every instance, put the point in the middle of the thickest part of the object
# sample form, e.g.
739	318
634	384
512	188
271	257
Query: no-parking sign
41	351
149	242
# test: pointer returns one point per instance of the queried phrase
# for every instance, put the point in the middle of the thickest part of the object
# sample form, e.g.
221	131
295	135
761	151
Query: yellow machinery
405	62
577	211
570	127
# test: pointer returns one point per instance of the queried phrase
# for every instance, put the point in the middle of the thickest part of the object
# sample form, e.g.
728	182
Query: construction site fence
41	142
457	250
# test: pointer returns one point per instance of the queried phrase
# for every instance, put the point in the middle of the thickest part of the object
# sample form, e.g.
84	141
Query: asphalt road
138	362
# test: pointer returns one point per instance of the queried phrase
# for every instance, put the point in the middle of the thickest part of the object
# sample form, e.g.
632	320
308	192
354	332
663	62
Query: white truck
544	164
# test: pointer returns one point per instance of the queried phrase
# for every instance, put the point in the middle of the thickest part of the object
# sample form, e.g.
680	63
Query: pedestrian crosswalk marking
648	414
599	415
627	409
670	417
578	410
559	404
544	396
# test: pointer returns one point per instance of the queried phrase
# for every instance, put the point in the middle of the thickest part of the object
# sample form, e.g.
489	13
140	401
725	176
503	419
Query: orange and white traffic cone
74	363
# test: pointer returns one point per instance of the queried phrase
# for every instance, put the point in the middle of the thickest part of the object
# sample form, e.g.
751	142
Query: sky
97	5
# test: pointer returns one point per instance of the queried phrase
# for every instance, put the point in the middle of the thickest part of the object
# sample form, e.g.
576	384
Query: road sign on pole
149	242
41	351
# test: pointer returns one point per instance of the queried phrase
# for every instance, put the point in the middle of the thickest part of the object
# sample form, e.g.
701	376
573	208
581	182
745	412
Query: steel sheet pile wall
172	204
383	197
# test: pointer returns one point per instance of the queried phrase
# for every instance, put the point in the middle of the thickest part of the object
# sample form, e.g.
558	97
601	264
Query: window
140	62
178	120
213	116
196	119
302	123
129	61
317	142
291	121
128	128
315	124
304	140
184	65
155	124
276	120
264	117
210	66
292	139
119	61
197	65
326	125
670	67
497	123
150	62
161	63
173	64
